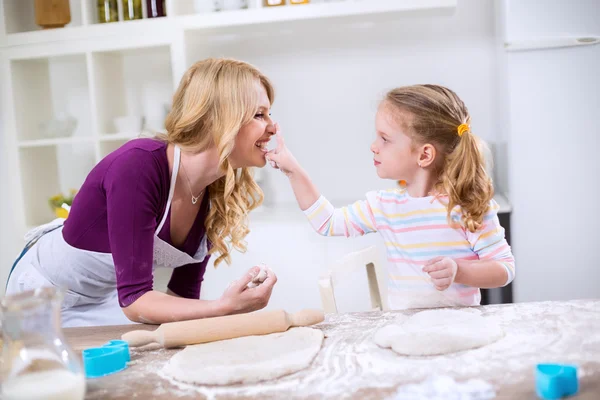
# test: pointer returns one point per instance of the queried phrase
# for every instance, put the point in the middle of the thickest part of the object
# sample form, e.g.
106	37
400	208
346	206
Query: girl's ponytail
465	180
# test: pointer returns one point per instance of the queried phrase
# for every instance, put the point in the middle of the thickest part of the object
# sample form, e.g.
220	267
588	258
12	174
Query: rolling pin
175	334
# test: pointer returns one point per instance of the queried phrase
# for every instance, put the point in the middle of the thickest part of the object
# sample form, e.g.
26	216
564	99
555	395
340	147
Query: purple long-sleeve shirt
118	210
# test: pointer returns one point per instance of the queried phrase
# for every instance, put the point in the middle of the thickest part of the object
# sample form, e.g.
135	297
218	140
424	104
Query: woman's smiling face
251	141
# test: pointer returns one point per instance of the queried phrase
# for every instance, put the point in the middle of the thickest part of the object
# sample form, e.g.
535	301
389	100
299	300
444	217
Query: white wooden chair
369	258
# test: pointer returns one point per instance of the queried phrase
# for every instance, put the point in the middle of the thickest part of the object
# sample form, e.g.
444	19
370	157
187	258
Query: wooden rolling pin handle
140	338
306	317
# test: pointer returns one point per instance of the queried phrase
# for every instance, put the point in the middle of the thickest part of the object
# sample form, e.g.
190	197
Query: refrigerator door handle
551	43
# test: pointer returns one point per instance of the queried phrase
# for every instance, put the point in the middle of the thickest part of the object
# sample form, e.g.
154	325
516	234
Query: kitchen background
527	70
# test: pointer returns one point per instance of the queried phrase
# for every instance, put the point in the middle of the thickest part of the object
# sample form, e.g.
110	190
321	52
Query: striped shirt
415	230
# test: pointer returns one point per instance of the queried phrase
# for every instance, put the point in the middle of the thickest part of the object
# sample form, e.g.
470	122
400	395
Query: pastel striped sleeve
490	244
354	220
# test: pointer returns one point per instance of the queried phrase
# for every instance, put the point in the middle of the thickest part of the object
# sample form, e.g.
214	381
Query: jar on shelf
108	11
299	1
132	9
156	8
37	362
52	14
273	3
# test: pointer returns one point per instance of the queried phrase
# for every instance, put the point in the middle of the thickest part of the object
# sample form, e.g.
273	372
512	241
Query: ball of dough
260	277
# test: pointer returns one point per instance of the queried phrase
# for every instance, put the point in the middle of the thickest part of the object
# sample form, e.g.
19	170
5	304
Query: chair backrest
368	258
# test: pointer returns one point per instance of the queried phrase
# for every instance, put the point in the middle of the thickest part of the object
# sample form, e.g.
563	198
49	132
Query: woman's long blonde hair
434	115
215	98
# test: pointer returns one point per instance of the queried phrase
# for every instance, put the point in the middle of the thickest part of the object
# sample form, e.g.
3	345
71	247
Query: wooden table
350	366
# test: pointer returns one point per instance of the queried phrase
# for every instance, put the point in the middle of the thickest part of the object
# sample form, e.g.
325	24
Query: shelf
138	30
133	82
184	18
118	137
48	171
190	7
47	89
53	142
19	16
319	11
21	29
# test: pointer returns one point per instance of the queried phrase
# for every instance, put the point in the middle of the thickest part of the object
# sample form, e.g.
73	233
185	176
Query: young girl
441	228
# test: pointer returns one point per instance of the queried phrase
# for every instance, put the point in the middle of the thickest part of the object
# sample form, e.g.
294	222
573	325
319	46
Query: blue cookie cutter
110	358
554	381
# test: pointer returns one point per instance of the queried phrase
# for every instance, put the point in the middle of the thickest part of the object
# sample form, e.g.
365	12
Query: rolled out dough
436	332
247	359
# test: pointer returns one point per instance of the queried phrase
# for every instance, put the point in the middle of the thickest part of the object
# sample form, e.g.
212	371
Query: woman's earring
419	164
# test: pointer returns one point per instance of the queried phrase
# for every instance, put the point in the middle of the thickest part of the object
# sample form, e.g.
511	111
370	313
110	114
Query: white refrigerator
550	69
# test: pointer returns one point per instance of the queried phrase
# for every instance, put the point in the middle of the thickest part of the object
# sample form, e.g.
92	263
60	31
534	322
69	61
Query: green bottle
108	11
132	9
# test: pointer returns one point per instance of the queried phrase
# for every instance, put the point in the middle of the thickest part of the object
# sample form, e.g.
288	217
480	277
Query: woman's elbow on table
150	308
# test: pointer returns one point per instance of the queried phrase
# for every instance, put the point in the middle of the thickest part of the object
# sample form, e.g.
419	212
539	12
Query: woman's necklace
194	198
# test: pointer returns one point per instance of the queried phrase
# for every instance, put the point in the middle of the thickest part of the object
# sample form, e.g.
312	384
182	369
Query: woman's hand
442	271
281	158
238	298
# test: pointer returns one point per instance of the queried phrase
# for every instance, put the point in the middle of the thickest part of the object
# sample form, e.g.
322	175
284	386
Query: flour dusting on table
350	362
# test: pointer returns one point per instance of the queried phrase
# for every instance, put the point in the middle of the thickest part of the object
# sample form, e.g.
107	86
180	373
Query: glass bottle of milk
37	363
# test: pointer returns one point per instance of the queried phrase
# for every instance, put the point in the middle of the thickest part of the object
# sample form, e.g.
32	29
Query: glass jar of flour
37	363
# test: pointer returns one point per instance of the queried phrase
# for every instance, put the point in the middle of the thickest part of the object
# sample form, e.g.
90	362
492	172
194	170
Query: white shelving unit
98	72
129	82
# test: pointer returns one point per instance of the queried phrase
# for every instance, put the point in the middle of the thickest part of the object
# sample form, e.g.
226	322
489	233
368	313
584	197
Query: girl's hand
442	271
281	158
238	298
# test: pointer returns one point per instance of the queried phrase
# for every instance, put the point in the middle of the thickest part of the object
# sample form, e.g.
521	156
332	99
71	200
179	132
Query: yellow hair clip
462	128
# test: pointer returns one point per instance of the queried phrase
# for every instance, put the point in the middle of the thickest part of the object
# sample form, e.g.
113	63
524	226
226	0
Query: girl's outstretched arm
281	158
354	220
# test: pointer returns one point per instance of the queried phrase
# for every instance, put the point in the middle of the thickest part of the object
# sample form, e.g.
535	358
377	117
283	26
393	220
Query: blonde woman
168	202
443	237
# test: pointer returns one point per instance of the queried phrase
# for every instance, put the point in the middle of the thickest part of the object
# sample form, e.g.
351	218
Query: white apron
88	277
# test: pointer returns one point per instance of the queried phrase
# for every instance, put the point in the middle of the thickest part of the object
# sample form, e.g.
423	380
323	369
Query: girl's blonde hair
215	98
433	114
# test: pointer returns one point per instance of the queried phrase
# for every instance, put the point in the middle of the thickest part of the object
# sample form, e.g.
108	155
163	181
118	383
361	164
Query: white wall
554	99
328	87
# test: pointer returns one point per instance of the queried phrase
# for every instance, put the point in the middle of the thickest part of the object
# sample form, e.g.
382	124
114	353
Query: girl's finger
433	261
442	284
436	266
